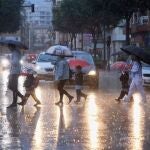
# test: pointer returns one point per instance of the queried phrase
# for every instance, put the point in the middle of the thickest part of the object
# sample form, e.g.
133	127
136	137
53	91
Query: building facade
37	25
140	29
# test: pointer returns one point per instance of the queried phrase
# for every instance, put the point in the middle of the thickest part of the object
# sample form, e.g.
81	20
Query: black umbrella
18	44
142	54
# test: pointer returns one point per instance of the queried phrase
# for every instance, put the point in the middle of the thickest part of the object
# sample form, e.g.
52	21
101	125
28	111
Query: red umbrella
120	65
77	62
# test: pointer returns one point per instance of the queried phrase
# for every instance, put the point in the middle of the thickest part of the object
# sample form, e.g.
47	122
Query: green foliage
124	9
10	15
67	17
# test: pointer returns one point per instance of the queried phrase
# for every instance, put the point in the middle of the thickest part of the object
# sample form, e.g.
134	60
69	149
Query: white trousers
136	86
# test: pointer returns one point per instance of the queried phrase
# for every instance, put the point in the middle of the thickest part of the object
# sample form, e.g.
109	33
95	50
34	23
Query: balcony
141	24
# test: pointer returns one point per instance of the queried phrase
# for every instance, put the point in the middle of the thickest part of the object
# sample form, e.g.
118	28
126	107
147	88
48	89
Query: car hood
86	69
45	64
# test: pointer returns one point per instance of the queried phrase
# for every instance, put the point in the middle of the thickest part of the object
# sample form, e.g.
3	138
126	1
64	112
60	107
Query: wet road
100	123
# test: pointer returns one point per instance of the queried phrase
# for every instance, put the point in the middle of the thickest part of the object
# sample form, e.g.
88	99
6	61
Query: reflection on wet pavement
98	123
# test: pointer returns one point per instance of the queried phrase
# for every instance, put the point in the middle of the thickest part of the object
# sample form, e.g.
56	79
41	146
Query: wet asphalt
99	123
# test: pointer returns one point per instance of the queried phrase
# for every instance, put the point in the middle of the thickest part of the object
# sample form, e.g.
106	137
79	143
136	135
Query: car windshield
46	58
84	56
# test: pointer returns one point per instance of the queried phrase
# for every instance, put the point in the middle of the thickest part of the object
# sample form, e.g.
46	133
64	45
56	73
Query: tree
67	18
98	17
76	16
124	9
10	15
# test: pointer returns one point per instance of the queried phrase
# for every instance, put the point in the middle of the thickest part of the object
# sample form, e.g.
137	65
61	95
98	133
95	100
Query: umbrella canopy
121	66
59	50
18	44
142	54
77	62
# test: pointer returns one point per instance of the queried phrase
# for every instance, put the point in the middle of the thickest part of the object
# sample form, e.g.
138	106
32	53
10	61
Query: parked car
44	67
91	75
146	74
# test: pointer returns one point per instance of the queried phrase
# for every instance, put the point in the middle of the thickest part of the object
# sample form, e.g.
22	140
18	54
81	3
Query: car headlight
21	62
37	67
5	63
92	73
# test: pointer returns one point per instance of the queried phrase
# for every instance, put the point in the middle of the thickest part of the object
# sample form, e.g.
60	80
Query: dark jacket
31	81
124	78
79	78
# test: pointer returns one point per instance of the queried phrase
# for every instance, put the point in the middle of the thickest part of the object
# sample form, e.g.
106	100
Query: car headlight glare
21	62
38	67
92	73
5	63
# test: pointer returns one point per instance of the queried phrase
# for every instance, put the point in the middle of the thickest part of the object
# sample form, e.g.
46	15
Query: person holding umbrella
14	74
136	83
61	76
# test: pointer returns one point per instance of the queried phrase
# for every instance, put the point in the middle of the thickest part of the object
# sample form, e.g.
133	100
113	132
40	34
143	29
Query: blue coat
61	70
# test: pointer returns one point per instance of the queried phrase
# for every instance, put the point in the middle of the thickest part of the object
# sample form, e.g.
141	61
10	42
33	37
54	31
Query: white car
44	67
146	74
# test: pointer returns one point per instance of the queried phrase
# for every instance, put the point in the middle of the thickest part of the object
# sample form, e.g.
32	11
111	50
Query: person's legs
122	94
25	97
13	86
14	97
78	94
19	94
131	91
60	87
64	91
83	95
35	97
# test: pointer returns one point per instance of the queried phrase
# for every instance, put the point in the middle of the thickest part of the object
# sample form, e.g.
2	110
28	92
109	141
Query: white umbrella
59	50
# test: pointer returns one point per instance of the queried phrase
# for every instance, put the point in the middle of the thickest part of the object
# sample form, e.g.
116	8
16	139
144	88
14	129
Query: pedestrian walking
15	70
79	84
61	77
124	79
30	85
136	82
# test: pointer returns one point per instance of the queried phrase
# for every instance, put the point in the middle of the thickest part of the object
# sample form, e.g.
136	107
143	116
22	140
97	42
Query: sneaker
118	100
22	103
12	105
70	99
125	98
37	103
59	102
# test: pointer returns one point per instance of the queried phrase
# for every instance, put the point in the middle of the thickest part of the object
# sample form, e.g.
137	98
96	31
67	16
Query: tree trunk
82	41
71	46
71	40
127	31
95	46
104	43
75	41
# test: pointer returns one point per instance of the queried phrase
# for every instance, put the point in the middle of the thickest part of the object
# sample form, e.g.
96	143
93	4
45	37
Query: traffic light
32	7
